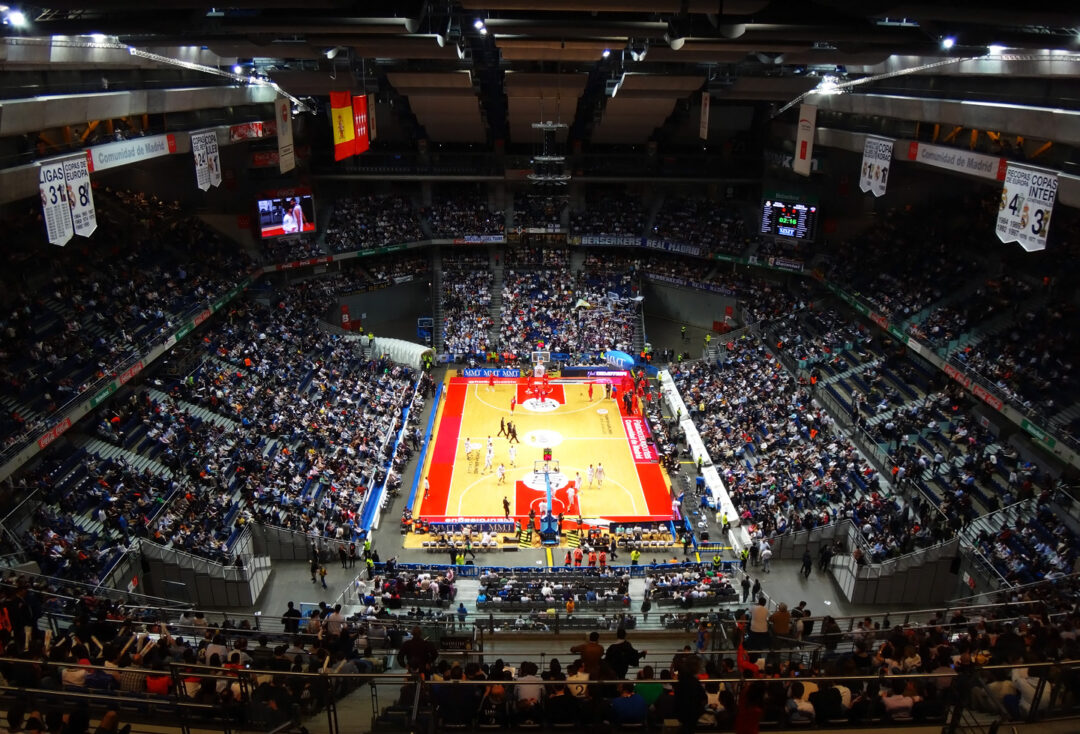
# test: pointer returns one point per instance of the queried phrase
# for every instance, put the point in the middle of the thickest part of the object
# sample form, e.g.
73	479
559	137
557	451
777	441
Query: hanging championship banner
1027	200
80	195
371	117
876	161
198	152
360	121
342	125
804	140
286	157
703	123
213	159
54	202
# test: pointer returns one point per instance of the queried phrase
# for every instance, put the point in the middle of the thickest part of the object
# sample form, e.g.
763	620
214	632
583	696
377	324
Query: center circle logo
532	480
543	438
545	405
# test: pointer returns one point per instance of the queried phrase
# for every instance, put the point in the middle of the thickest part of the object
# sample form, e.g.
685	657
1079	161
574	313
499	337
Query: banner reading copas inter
804	140
342	125
876	162
286	154
80	195
54	202
1027	201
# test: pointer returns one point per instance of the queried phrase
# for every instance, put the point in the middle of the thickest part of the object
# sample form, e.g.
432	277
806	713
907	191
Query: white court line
557	411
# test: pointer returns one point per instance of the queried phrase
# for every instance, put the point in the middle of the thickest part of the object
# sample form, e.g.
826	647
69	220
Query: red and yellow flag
341	121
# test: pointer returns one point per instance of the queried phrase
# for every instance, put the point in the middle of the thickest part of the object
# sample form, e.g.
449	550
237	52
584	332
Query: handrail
91	590
208	566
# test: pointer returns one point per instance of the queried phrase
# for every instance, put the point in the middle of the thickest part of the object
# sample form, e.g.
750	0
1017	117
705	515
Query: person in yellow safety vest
634	556
460	560
744	556
717	561
708	340
725	524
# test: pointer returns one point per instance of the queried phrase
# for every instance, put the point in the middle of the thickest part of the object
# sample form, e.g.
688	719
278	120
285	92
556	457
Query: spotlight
948	42
606	52
237	69
483	31
676	42
995	49
331	53
638	49
16	19
478	24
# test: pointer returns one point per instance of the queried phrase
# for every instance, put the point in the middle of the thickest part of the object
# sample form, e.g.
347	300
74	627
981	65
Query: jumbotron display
788	219
289	212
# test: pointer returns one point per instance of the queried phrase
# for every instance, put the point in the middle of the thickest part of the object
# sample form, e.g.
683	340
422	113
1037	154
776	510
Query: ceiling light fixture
995	49
15	19
606	52
948	42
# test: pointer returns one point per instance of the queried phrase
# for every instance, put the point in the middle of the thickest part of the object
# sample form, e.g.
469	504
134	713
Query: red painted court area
579	431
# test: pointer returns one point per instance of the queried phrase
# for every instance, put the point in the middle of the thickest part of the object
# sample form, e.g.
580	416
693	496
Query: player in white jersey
599	474
513	455
570	497
490	444
577	480
489	459
590	473
501	471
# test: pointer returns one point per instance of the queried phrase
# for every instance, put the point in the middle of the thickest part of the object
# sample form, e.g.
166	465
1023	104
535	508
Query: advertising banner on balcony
876	161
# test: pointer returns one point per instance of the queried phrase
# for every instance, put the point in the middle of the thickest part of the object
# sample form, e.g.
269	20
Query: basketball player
590	472
570	496
491	382
427	488
599	474
577	481
490	445
489	459
590	392
501	471
513	455
513	402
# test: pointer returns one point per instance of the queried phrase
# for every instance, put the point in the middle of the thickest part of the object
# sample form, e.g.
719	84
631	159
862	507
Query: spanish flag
341	121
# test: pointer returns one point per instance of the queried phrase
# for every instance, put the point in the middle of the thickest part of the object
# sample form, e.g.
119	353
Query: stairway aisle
439	338
495	310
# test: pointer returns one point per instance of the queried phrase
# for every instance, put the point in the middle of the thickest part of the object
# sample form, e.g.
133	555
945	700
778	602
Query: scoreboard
788	219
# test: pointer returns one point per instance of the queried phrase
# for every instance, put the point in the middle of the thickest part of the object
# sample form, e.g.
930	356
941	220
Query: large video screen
288	214
788	219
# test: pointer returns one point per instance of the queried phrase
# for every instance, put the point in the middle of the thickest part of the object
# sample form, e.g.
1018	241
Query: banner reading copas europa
1027	200
286	155
804	140
54	202
876	162
198	152
80	195
342	125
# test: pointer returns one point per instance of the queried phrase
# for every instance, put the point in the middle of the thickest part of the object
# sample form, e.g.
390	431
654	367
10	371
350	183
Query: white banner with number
804	140
213	159
80	195
1027	200
198	151
876	161
286	154
54	201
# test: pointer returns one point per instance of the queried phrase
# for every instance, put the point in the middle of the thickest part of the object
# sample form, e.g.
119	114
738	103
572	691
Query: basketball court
579	432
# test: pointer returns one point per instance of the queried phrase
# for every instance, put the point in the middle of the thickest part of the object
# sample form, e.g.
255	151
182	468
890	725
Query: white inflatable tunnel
400	351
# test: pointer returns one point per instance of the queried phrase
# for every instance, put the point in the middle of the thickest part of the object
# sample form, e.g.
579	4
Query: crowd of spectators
363	222
786	465
566	313
689	587
539	212
578	591
461	216
1032	362
1028	549
532	256
713	227
290	249
945	324
609	214
94	309
397	268
466	304
907	261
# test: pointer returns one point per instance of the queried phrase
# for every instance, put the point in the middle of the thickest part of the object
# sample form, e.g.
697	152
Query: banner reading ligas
286	156
80	195
876	161
198	152
804	139
1027	200
54	202
342	124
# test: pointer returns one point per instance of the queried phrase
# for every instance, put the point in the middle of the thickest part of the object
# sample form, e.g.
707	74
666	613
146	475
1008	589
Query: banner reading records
1027	200
876	161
